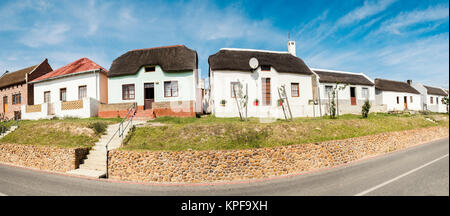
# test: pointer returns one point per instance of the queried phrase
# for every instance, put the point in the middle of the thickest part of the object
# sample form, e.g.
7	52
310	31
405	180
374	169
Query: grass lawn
67	132
211	133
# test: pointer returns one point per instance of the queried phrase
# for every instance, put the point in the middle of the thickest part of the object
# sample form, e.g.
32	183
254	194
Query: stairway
95	163
11	129
144	114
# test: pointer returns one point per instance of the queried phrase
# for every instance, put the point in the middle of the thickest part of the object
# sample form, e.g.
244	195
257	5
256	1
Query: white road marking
2	194
398	177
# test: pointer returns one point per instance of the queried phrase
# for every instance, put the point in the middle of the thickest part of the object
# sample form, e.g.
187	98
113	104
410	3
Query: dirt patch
69	127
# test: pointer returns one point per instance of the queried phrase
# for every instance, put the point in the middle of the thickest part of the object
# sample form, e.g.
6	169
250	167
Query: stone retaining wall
42	157
228	165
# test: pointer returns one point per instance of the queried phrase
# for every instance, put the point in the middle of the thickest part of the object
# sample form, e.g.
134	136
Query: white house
229	67
431	97
75	90
397	96
162	81
352	90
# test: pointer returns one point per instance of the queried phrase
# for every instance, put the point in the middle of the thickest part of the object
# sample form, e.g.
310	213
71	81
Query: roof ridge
160	47
254	50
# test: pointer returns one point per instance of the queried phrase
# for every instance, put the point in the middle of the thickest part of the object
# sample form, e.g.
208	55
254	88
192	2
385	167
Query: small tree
333	108
365	109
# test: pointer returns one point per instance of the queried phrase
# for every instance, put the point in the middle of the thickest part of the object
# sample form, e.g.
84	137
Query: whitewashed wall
71	83
220	82
389	98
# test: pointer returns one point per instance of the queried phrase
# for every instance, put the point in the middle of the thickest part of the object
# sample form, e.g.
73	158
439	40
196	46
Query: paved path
421	170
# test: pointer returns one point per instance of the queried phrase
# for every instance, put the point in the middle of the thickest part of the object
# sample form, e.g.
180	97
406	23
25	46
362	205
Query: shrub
98	127
365	109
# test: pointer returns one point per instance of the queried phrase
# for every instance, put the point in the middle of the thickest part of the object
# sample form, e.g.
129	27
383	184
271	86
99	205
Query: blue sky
392	39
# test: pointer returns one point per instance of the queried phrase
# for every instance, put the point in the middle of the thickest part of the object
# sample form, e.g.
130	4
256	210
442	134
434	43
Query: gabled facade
431	97
74	90
16	89
349	100
228	67
162	81
397	96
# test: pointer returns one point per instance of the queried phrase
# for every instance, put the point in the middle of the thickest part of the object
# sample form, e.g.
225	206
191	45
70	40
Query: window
328	90
437	100
82	92
295	90
234	89
149	69
171	89
128	92
265	68
431	100
266	97
365	93
47	97
16	99
398	100
62	94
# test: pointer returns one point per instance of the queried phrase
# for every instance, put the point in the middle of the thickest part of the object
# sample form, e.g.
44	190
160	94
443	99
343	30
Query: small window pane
150	69
328	90
294	90
265	67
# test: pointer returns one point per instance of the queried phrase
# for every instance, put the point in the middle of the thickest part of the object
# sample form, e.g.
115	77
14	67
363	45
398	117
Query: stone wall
42	157
228	165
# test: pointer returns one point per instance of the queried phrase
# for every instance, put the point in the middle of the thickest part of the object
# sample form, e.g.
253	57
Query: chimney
409	82
291	47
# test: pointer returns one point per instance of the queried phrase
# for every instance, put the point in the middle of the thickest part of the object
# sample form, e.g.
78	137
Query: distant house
397	96
74	90
229	68
431	97
162	81
349	100
16	89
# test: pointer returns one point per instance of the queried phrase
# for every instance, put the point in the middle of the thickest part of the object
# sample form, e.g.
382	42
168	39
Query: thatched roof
435	91
169	58
395	86
345	78
237	60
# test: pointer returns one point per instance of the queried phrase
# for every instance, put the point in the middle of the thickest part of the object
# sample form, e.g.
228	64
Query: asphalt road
420	170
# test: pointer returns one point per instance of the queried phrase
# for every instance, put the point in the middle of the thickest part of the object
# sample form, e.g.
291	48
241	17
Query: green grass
212	133
67	132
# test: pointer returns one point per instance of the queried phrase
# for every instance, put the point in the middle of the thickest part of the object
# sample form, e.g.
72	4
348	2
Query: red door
406	102
352	96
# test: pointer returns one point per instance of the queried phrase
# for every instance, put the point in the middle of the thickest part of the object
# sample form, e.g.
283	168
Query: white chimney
291	48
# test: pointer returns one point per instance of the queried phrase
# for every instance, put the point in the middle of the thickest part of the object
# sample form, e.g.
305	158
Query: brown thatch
395	86
238	60
346	78
16	77
435	91
170	59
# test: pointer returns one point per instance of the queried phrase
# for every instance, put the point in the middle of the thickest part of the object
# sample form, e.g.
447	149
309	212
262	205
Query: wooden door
266	97
353	96
149	95
405	99
5	104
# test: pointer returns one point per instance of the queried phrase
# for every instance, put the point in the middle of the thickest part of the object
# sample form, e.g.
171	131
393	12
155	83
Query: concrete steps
95	163
11	129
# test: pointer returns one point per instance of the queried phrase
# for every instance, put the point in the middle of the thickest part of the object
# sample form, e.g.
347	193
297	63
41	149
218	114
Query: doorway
406	102
353	96
149	95
5	104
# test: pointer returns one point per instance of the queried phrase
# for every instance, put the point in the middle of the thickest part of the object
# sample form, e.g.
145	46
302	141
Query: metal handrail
3	128
121	130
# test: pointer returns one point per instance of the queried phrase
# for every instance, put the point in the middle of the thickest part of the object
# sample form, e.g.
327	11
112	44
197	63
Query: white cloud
369	8
45	34
406	19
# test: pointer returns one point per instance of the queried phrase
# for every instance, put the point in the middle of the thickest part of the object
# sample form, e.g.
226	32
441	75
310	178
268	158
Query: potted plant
256	102
280	102
223	102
